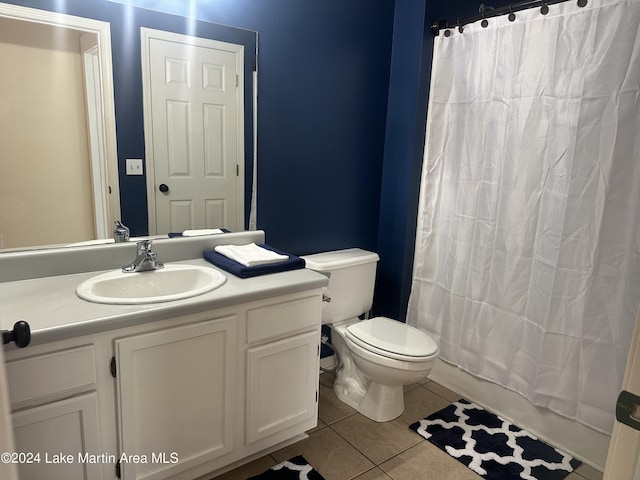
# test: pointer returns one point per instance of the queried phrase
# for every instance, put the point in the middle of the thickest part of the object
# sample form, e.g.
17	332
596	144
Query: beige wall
45	191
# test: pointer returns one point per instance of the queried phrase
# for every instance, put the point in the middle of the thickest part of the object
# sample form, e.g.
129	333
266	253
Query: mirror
121	44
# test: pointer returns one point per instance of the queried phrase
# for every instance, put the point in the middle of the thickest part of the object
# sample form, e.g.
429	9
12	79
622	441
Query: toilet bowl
378	355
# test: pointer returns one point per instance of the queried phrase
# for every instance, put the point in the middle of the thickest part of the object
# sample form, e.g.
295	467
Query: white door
623	460
194	132
8	471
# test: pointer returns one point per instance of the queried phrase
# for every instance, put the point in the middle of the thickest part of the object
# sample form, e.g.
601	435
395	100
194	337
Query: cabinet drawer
283	318
51	374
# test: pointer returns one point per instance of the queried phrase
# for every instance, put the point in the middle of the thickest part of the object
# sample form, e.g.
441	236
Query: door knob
21	334
164	188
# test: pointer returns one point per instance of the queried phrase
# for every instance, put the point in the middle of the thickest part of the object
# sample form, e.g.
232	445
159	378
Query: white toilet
378	355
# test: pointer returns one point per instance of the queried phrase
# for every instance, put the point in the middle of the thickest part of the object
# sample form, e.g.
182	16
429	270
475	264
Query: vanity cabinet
181	397
55	414
199	396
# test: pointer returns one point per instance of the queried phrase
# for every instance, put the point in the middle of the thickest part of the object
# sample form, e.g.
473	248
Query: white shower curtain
527	261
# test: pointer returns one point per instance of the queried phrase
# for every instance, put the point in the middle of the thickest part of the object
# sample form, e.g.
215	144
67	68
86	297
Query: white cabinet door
8	471
64	435
282	381
176	397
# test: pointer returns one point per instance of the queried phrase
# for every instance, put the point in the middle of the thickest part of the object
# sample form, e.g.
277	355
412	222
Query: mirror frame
107	179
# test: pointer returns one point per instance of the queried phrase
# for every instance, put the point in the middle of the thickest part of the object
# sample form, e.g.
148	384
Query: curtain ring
483	8
582	3
460	27
544	9
447	33
512	16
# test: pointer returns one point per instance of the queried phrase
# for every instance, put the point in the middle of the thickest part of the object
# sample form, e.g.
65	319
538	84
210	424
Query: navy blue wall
323	85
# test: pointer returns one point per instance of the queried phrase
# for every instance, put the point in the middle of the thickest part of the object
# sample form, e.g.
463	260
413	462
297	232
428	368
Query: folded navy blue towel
239	270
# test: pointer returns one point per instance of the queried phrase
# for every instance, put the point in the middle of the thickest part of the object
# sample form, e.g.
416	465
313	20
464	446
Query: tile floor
346	445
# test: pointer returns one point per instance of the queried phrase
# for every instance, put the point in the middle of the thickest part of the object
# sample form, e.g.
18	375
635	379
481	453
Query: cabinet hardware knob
21	334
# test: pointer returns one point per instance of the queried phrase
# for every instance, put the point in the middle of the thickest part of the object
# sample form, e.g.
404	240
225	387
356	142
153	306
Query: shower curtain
527	260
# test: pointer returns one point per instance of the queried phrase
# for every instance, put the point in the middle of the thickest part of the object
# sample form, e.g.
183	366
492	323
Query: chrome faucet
145	260
121	232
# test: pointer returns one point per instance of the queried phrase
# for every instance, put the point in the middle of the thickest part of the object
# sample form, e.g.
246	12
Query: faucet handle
121	232
144	246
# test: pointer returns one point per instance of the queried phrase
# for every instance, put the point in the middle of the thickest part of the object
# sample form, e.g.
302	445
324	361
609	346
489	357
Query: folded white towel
205	231
250	255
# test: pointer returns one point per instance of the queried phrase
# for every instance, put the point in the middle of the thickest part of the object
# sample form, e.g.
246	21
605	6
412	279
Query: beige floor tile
574	476
330	408
443	392
320	425
327	379
588	472
419	403
250	469
412	386
426	461
378	441
329	454
373	474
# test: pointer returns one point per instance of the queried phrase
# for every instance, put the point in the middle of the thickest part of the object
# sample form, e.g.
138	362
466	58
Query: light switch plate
133	166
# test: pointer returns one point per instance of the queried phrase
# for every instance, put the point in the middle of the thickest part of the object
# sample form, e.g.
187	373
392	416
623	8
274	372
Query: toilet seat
392	339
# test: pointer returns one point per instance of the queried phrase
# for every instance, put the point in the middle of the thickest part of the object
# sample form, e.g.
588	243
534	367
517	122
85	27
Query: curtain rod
488	12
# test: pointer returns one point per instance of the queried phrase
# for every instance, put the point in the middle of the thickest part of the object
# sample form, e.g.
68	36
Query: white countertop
54	311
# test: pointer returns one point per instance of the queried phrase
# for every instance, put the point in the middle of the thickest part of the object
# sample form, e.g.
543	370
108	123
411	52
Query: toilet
377	356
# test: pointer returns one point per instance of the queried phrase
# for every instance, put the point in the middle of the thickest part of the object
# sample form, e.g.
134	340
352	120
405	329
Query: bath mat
296	468
491	446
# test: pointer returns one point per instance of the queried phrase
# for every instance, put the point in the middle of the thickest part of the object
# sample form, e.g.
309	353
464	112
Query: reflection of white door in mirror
194	132
91	68
45	147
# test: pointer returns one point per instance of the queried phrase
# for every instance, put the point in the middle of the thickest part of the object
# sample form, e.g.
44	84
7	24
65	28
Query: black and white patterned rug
491	446
296	468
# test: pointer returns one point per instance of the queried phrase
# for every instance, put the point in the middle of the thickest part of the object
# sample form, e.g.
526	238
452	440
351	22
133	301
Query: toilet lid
392	338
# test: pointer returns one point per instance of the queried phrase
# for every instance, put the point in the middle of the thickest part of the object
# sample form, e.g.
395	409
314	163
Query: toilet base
380	403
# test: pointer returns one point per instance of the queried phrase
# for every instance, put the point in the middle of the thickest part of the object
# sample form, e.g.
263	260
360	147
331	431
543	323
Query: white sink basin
173	282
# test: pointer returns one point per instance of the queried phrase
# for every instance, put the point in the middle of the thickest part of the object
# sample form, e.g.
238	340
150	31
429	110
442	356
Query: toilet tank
352	274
